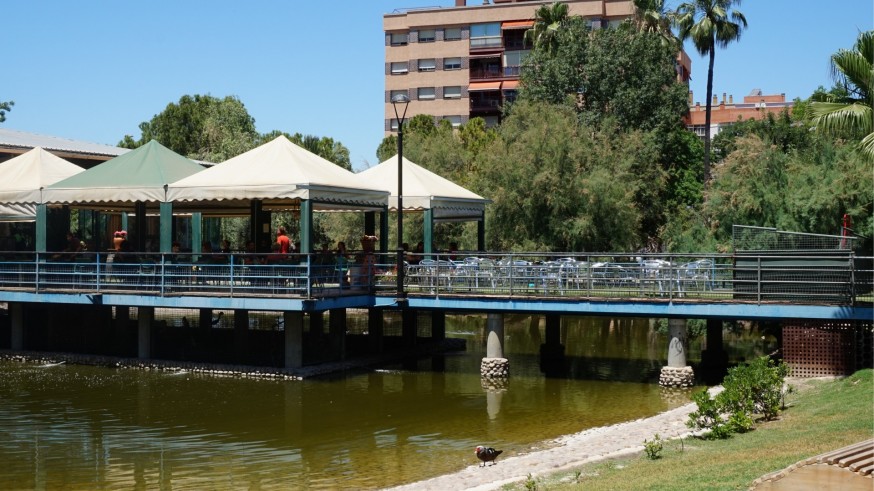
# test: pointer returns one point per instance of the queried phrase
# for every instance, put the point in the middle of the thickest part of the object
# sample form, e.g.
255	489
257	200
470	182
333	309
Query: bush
654	447
754	388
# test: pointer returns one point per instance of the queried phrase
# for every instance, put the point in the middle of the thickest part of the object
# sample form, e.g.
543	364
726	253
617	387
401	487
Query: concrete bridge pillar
714	359
16	317
552	359
438	325
337	328
375	323
677	373
409	326
495	369
293	322
145	316
241	335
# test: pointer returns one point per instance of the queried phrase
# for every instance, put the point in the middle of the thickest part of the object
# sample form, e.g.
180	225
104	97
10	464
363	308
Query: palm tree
548	19
651	16
851	115
710	25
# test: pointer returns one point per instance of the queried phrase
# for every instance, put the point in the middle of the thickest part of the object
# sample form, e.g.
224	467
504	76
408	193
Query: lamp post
403	101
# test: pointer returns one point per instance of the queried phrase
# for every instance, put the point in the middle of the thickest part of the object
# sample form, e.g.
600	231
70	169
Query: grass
824	416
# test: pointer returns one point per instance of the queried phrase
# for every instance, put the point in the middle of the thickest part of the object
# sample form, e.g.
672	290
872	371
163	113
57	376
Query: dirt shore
564	453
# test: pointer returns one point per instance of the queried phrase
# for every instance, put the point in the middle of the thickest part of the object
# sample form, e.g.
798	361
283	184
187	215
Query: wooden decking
846	469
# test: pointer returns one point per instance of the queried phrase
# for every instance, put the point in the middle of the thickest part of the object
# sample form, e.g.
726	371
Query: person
283	241
342	263
117	238
453	251
276	255
225	246
250	257
175	250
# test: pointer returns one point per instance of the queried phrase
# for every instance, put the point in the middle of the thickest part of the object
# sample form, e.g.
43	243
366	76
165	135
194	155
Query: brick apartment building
463	61
726	112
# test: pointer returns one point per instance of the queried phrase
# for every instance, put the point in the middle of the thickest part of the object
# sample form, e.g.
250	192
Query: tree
200	127
548	19
652	16
710	24
4	108
850	114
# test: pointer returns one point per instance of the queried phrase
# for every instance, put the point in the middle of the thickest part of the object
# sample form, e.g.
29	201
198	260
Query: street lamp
403	101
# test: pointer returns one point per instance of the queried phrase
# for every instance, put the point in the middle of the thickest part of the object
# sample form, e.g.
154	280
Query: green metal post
42	218
306	226
428	230
166	223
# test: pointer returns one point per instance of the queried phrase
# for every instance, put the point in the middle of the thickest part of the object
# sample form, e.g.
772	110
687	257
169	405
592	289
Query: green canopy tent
133	182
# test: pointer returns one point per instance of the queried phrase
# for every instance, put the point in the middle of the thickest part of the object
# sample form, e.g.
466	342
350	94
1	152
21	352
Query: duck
487	454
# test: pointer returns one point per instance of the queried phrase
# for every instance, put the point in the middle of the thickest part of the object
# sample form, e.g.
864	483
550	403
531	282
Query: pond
92	427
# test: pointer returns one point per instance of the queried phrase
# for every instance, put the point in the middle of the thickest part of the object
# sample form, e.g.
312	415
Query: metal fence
747	239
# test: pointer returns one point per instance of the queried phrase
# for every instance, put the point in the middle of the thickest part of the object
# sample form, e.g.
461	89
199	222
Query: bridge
826	286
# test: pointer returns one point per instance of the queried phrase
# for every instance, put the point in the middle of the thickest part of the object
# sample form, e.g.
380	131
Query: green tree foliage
618	74
548	21
851	114
387	148
568	187
200	127
654	17
710	24
4	108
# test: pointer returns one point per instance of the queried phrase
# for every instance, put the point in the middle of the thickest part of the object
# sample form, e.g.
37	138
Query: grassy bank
823	416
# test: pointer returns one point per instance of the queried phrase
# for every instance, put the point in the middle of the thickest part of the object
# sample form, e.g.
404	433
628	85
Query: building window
399	67
452	34
399	39
513	62
393	124
452	63
455	121
427	65
491	121
426	93
452	92
485	35
427	35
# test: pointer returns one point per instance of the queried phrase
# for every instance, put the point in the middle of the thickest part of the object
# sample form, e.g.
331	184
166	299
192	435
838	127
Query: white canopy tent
22	179
277	173
425	190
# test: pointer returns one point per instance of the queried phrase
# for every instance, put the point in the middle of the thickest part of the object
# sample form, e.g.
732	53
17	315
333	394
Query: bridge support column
409	326
145	316
438	325
293	322
241	335
16	317
375	324
552	359
677	373
714	359
205	318
495	369
337	328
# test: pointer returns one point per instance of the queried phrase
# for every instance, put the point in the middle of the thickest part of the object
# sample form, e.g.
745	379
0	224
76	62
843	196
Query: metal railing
795	279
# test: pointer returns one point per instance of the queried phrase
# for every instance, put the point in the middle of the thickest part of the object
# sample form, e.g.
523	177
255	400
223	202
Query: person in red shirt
283	241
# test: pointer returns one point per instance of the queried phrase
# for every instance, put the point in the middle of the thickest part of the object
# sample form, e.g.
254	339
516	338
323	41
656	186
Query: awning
510	85
518	24
478	86
475	56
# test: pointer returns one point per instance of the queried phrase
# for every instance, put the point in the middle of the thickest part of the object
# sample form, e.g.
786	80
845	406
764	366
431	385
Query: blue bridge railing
823	278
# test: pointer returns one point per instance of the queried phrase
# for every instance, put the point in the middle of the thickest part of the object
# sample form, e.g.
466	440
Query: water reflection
89	427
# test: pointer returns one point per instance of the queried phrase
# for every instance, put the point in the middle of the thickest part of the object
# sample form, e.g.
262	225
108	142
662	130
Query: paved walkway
566	453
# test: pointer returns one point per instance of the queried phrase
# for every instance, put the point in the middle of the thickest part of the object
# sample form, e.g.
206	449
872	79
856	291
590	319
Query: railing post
161	278
310	278
759	279
36	273
231	262
97	272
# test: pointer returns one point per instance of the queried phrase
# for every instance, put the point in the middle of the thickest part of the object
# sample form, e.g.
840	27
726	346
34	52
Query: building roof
14	141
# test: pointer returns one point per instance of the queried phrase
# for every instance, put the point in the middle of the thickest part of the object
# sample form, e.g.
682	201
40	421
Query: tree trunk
707	115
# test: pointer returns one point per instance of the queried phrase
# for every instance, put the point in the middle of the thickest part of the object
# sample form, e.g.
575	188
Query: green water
81	427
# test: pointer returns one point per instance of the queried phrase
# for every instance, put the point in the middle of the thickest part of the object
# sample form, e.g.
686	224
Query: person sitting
276	256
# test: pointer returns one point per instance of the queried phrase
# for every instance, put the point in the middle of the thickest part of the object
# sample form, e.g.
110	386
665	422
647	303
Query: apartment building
464	61
725	113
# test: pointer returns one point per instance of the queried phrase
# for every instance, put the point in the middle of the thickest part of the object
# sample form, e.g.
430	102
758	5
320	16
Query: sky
93	70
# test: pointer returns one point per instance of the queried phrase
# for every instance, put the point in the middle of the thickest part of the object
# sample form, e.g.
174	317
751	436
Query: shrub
654	447
754	388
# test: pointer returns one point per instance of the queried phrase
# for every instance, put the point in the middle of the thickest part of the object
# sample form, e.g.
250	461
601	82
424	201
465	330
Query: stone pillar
337	328
145	316
205	319
494	366
293	322
16	317
677	373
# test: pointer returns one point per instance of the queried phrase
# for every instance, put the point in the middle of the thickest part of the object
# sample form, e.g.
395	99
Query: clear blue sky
93	70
